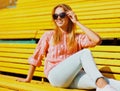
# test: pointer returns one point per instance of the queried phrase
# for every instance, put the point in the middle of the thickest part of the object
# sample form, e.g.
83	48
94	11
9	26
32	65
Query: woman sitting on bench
68	63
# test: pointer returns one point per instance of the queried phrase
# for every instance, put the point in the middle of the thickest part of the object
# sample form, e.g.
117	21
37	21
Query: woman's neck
63	30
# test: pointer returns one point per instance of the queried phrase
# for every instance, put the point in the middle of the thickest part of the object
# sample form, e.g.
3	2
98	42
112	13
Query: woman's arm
29	75
91	35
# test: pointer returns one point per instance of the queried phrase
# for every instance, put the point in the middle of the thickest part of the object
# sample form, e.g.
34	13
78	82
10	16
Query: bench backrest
101	16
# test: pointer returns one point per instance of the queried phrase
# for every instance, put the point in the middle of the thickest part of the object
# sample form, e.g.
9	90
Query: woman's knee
85	51
57	83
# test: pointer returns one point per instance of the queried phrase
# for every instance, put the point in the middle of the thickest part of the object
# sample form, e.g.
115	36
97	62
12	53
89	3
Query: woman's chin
60	25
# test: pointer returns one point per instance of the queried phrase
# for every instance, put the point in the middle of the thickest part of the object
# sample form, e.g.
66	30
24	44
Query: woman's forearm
92	35
30	73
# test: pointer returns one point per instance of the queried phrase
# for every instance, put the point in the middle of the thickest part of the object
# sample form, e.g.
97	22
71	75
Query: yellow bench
30	19
14	63
23	34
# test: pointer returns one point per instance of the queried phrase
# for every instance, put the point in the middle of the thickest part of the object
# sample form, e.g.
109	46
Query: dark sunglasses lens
62	15
55	16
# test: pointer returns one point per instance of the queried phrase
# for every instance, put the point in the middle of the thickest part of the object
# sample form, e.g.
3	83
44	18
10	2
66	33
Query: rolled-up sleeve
84	41
40	51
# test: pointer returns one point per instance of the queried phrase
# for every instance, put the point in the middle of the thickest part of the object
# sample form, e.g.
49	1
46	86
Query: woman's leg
83	81
91	74
92	71
64	73
114	83
89	65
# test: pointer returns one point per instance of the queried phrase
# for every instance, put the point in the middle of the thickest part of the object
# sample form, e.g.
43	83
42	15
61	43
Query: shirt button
58	51
61	46
60	56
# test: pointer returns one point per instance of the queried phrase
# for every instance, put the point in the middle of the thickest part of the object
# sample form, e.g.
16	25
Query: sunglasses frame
61	15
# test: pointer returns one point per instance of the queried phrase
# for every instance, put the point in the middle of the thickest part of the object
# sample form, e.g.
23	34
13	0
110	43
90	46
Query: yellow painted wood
106	48
110	35
13	60
33	86
18	66
115	33
21	61
40	33
106	55
17	34
17	55
5	89
113	62
81	3
21	71
31	15
17	50
80	11
17	45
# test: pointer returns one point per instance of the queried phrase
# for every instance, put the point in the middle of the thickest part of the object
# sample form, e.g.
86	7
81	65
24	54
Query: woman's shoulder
50	32
80	34
47	34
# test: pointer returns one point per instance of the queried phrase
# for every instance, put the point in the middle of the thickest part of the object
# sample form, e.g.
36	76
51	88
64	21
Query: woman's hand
22	80
29	76
72	16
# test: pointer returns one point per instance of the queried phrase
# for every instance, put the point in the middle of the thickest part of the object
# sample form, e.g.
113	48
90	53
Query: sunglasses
62	15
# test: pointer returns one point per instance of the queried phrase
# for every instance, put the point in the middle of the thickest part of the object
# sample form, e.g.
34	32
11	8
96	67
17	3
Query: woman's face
61	17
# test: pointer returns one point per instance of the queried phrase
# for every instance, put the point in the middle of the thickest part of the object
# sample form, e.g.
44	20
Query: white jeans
77	71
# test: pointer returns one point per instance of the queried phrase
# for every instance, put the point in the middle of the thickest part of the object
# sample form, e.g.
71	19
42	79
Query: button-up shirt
59	52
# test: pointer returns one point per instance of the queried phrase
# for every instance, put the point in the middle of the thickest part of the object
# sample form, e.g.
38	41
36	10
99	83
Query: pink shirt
56	53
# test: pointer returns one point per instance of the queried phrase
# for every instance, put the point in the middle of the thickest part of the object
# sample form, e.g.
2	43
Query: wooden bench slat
12	45
106	48
5	89
17	50
18	66
106	55
17	34
14	60
110	35
34	85
16	55
21	71
107	62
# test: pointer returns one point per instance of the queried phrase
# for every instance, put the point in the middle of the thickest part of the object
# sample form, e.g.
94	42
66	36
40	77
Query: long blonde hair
71	27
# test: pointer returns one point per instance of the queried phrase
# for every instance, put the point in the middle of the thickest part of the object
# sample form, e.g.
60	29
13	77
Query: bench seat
14	63
33	86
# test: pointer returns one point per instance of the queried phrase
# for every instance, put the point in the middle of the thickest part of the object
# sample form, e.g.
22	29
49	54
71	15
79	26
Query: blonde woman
68	63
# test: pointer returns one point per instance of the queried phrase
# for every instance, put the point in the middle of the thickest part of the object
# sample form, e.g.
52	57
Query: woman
68	63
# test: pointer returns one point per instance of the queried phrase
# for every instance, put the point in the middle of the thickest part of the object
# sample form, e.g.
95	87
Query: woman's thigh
63	74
